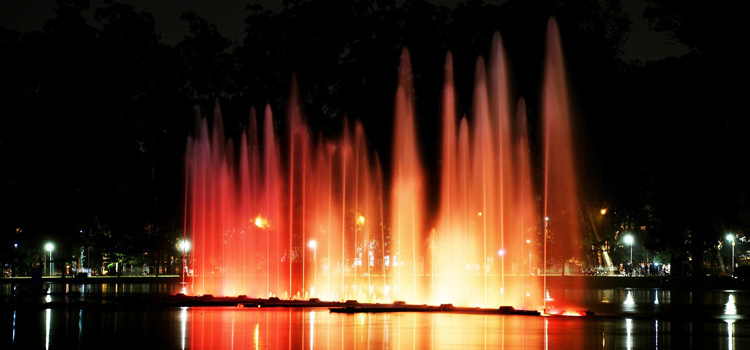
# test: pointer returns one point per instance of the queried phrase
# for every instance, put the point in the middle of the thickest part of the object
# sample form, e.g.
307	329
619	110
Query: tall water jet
500	109
407	193
561	220
447	240
525	213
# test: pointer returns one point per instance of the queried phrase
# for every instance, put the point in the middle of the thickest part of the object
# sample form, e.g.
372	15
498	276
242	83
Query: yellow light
261	222
361	220
571	313
603	211
184	245
479	213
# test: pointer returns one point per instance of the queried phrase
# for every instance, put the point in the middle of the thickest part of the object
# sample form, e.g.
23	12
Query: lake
625	319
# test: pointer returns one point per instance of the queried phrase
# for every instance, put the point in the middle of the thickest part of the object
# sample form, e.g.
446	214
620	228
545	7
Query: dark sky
26	15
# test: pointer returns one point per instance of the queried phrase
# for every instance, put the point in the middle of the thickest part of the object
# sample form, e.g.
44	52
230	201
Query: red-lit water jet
312	217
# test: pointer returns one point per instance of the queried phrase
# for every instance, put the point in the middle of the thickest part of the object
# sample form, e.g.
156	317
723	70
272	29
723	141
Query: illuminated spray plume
253	210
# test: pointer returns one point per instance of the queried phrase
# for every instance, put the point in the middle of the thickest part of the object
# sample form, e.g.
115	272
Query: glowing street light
730	237
314	245
261	222
49	247
184	247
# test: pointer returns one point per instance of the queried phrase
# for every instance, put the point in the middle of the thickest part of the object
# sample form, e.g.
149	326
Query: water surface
626	319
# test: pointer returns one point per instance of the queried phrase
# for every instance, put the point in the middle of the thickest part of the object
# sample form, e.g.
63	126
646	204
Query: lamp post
730	237
50	247
629	240
184	247
314	245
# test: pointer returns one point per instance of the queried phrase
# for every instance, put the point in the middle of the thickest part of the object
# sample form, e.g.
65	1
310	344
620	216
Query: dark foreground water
626	319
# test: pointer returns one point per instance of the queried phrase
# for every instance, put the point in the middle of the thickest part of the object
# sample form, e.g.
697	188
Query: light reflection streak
256	335
47	324
730	334
414	332
80	325
14	326
629	298
502	333
730	308
629	333
183	325
466	332
485	331
603	296
546	333
312	329
656	334
362	327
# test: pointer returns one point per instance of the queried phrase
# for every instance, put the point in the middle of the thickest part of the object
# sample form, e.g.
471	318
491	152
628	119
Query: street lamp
629	240
730	237
184	247
314	245
50	247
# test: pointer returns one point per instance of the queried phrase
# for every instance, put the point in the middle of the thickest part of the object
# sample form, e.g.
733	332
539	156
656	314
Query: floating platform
243	301
347	307
72	301
400	306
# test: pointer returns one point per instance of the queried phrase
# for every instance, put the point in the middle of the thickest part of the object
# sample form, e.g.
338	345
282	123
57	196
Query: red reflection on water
228	328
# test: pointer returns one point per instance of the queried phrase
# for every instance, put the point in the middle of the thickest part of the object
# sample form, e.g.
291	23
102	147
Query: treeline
96	115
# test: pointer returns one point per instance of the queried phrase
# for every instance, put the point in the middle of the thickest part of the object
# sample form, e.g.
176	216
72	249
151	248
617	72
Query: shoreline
573	282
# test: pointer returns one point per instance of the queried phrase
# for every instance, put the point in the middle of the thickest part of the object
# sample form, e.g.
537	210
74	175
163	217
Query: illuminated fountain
309	218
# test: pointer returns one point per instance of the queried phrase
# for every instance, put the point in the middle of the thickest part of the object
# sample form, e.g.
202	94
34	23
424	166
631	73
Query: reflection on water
48	312
628	318
730	308
264	328
183	326
629	336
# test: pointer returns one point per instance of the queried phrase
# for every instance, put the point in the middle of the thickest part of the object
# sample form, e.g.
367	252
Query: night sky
643	43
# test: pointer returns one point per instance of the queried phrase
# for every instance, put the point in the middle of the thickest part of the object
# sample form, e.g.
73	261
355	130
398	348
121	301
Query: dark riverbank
97	279
591	282
608	282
